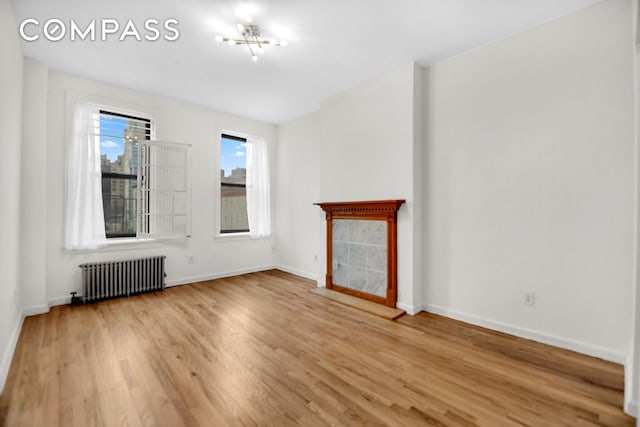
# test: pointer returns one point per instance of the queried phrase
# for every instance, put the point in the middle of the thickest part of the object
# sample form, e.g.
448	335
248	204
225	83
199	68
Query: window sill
127	241
235	237
232	237
119	244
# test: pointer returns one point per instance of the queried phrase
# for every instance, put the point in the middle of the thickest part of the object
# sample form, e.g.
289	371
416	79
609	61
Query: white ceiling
333	45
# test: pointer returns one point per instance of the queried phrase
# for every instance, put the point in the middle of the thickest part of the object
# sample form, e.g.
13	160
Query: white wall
175	121
298	183
418	188
632	367
33	207
530	182
367	153
360	145
10	141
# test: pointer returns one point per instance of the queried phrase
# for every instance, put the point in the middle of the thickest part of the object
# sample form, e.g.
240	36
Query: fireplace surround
362	249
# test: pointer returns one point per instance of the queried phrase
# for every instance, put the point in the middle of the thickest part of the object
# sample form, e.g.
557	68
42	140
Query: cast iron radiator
110	279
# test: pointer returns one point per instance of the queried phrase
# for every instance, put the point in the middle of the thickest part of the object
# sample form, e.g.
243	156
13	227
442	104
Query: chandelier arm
248	45
242	41
257	41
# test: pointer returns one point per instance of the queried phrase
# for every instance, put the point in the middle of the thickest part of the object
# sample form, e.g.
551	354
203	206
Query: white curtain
84	220
258	188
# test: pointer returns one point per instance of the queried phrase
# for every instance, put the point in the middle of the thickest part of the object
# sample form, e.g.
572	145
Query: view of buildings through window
119	134
233	185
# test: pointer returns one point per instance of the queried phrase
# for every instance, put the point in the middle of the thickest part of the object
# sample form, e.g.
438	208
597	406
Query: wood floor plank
259	349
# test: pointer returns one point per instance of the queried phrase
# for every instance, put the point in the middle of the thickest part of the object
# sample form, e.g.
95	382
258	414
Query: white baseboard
60	301
7	357
410	309
297	272
35	310
557	341
213	276
63	300
630	401
631	408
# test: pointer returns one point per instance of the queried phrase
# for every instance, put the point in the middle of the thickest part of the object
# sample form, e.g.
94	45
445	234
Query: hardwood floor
260	349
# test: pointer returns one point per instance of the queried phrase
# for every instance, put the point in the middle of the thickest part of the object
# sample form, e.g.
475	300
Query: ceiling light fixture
251	37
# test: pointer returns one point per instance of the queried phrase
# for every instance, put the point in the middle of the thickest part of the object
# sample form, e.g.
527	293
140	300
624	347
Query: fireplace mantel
356	250
372	208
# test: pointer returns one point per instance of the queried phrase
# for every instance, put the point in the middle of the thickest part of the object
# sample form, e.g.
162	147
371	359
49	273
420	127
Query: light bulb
231	42
255	58
273	42
284	43
249	19
219	38
240	27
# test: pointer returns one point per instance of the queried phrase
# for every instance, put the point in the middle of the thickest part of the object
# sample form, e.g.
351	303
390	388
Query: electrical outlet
528	298
190	259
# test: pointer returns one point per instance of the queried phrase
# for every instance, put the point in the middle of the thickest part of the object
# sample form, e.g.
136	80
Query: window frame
239	137
103	102
132	177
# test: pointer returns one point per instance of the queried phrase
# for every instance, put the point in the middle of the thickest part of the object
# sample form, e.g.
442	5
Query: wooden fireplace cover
373	210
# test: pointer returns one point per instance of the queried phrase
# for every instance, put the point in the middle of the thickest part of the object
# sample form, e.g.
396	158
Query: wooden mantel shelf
371	210
362	208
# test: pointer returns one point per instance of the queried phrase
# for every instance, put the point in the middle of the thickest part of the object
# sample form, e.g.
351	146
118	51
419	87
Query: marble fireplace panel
359	252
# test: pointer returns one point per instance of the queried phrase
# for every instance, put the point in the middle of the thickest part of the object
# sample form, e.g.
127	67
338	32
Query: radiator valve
75	300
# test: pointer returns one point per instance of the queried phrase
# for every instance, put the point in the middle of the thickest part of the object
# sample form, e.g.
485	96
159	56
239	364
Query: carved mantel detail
361	256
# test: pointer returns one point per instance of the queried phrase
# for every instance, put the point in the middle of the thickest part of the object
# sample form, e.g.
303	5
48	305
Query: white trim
232	237
545	338
7	357
108	103
35	310
630	401
64	300
237	237
195	279
59	301
118	245
632	367
631	408
410	309
406	307
297	272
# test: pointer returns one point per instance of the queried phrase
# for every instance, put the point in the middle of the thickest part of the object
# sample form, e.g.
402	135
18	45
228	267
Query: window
120	183
233	185
245	205
119	136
